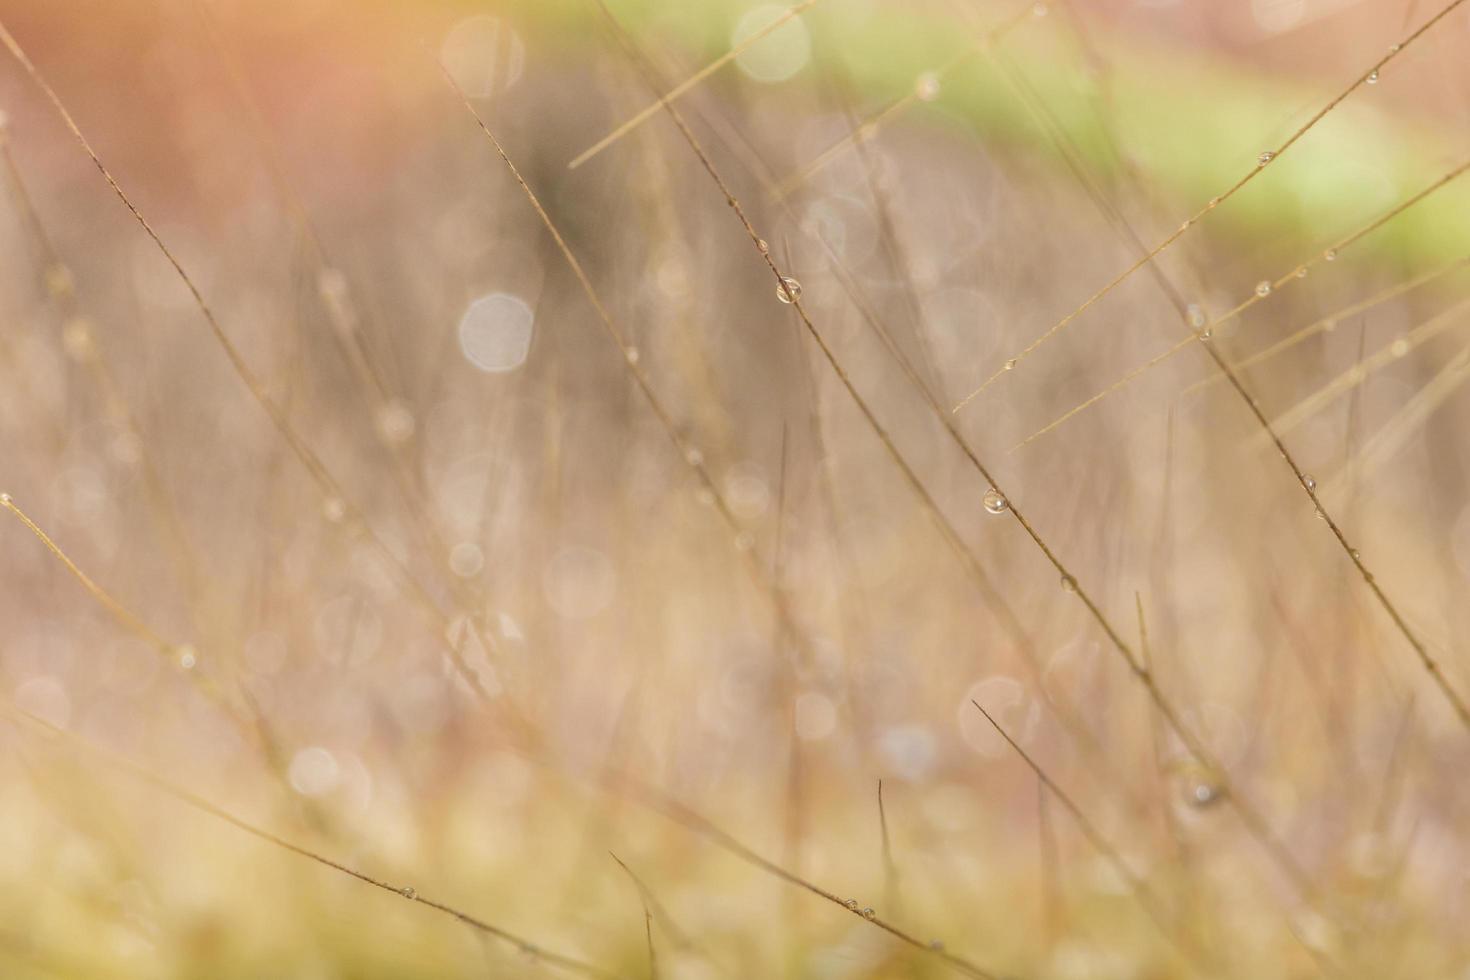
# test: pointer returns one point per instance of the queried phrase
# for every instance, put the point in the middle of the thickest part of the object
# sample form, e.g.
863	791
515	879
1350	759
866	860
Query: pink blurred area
334	80
342	82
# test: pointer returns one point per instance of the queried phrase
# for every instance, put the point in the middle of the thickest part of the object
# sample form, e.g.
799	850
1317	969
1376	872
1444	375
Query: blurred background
400	547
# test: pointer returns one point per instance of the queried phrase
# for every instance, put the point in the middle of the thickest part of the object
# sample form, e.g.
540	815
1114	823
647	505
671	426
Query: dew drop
334	510
995	502
395	423
495	332
76	339
1356	555
1309	482
59	280
1263	288
868	913
1196	315
1399	347
763	245
1301	272
852	904
1010	365
631	354
1069	584
466	559
1330	255
789	291
331	284
1373	77
483	55
693	456
5	500
187	657
579	582
1203	795
1266	157
926	87
407	892
780	54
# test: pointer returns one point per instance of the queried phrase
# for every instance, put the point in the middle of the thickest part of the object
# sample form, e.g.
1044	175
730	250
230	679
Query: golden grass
611	631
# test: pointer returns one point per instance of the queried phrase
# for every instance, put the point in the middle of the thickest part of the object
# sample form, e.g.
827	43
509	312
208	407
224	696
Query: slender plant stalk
651	796
1329	322
1351	380
123	764
330	487
81	343
1266	160
688	84
1152	903
1255	825
1271	287
1308	485
870	126
340	304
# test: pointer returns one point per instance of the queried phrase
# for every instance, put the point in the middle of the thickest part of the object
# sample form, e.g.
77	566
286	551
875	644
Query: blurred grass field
640	625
